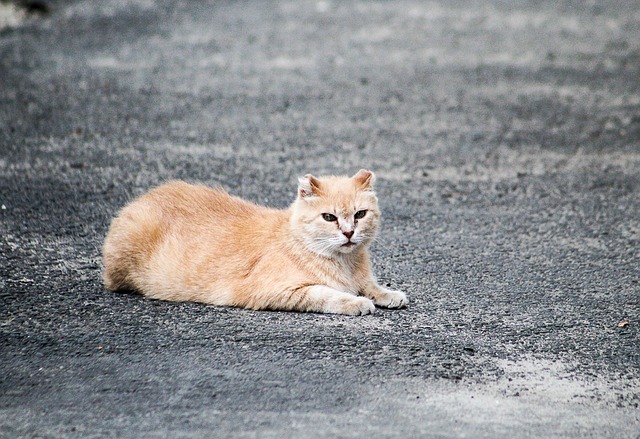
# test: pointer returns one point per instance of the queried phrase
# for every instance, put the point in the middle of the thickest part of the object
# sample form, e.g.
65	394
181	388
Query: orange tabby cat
191	243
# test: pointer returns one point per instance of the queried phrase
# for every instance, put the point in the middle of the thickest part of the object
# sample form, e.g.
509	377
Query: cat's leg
384	297
321	298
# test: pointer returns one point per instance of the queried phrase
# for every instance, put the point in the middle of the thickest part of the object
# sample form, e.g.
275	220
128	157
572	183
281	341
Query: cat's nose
348	234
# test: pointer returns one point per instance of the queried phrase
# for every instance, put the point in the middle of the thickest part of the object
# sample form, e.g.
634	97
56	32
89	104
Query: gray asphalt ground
506	141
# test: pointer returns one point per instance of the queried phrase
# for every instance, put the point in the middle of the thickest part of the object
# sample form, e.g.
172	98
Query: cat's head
336	215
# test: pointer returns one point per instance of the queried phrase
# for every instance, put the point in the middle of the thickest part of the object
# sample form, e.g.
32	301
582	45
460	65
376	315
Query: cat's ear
364	179
308	186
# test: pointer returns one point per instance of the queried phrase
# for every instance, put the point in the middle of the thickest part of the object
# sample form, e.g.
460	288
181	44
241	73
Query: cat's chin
347	248
337	251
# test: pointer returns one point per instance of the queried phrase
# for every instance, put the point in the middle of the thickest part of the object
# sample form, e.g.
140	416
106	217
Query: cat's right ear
365	179
308	186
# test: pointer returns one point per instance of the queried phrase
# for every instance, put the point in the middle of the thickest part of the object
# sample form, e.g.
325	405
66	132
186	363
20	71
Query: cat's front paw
391	299
353	306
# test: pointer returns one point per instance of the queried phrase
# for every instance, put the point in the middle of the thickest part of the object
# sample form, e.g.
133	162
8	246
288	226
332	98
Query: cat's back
181	207
183	200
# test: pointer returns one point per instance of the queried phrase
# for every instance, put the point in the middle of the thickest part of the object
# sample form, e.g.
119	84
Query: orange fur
185	242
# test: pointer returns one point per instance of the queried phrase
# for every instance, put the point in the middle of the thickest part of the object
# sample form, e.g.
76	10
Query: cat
184	242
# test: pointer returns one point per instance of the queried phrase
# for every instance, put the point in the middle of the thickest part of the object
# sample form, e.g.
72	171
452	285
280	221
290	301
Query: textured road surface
506	140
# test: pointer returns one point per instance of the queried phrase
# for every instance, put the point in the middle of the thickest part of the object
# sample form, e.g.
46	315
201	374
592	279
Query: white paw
392	299
352	306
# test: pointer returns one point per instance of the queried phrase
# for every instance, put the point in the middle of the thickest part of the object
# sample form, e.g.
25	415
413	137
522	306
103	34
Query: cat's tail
132	238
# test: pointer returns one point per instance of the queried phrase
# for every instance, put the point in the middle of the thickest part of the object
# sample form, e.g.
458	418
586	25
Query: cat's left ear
308	186
364	179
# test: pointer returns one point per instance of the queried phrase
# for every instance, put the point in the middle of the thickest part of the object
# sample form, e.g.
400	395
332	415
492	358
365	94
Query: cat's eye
329	217
360	214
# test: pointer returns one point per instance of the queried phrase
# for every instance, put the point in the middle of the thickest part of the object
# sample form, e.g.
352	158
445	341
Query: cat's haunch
185	242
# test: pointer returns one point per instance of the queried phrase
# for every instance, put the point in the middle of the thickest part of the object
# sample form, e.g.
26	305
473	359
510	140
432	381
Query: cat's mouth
348	244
